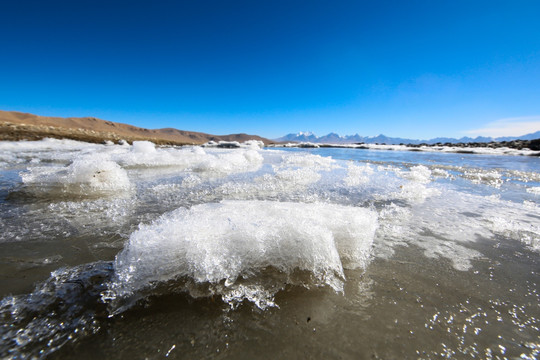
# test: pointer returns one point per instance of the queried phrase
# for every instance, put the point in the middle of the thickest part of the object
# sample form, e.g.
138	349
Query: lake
119	251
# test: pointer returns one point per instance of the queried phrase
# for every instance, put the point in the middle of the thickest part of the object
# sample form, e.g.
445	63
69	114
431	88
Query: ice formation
87	175
229	245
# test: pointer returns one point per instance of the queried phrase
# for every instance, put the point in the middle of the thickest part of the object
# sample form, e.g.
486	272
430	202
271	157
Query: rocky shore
515	144
515	147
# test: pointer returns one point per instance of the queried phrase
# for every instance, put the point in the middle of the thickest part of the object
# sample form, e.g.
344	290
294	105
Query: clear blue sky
416	69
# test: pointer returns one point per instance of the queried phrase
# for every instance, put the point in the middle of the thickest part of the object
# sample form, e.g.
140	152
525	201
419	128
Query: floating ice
231	162
144	147
417	189
87	175
212	161
230	245
488	177
254	144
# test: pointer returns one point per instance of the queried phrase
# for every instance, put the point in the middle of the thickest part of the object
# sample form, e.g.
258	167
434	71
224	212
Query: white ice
224	242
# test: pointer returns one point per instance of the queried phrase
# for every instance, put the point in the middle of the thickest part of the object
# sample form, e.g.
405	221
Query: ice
211	161
444	149
315	162
43	151
240	224
144	147
249	144
517	227
417	189
479	176
45	144
87	175
231	162
440	232
357	175
440	173
419	174
229	245
254	144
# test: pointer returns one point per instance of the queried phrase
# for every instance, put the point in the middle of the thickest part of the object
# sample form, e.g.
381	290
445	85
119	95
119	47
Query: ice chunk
230	245
144	147
87	175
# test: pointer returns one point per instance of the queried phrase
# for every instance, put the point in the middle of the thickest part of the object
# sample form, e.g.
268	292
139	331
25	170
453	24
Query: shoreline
17	126
26	132
516	147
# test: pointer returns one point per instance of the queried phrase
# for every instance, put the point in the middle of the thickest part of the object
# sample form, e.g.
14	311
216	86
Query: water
137	252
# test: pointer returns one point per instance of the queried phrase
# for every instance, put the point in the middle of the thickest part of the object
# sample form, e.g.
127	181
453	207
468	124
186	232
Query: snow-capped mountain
334	138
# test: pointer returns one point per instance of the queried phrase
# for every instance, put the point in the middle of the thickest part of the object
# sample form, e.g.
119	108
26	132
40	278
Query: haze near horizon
417	69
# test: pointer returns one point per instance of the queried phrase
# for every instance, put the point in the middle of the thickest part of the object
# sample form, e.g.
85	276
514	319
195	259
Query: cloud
508	127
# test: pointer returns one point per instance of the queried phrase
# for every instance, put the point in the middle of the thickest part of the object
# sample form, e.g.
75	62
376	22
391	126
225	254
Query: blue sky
416	69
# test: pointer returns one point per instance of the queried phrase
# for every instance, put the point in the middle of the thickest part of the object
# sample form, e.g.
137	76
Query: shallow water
138	252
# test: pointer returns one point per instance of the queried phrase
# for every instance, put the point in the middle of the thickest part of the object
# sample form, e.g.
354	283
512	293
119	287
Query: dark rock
534	145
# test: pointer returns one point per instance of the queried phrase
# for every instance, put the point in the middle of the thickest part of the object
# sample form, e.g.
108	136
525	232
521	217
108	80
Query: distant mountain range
334	138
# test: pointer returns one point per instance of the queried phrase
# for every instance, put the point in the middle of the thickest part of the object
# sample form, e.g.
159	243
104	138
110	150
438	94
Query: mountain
22	126
299	137
334	138
532	136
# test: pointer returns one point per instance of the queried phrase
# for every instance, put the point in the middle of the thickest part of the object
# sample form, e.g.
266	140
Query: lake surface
140	252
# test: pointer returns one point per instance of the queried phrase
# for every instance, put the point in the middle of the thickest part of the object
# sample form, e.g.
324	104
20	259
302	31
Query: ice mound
246	249
144	155
87	175
254	144
143	147
230	162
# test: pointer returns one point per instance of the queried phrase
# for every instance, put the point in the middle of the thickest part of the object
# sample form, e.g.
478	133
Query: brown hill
22	126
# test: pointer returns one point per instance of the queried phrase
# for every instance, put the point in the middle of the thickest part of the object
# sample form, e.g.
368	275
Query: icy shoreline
510	148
